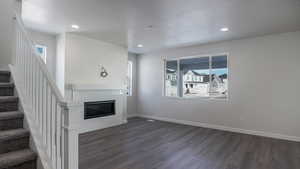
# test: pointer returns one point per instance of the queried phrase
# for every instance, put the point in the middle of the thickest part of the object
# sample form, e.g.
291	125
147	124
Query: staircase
43	107
14	139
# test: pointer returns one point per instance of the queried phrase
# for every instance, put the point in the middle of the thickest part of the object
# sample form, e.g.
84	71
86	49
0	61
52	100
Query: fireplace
99	109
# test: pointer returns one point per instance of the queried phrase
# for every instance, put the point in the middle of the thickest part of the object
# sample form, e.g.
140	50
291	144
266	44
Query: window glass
194	75
129	78
171	86
219	76
42	51
203	76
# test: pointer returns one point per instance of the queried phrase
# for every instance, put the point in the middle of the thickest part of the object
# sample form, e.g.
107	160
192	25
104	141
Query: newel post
71	152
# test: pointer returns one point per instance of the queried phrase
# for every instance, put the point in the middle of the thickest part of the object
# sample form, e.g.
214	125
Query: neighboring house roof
195	73
171	71
199	74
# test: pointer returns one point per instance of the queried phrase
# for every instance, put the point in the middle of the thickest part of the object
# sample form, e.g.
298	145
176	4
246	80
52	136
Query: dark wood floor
159	145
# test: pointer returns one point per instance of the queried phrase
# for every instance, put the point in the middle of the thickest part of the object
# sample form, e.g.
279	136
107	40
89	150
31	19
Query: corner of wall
60	62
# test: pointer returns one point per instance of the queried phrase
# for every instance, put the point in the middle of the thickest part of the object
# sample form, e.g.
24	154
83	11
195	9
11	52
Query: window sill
197	98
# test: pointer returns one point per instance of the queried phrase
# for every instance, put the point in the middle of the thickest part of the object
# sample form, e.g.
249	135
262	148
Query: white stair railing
45	110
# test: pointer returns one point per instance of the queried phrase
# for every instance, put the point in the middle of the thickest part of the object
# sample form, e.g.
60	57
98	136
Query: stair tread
13	134
16	158
11	115
4	99
9	84
4	72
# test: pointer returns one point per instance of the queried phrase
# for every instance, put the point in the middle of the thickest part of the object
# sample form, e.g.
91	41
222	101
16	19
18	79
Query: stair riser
6	91
9	106
14	144
11	124
27	165
4	78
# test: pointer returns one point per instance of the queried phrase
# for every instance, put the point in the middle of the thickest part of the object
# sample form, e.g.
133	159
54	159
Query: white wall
49	41
263	86
84	58
6	20
60	62
132	100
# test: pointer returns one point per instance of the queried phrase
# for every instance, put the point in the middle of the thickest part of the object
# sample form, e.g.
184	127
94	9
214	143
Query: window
42	51
129	78
205	76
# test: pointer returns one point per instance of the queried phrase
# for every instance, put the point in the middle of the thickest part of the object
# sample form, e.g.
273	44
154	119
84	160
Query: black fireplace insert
99	109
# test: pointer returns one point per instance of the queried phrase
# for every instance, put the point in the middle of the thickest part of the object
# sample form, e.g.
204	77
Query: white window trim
130	78
190	57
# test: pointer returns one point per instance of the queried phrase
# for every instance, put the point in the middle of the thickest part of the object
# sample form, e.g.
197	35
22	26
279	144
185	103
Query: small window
202	76
42	51
129	78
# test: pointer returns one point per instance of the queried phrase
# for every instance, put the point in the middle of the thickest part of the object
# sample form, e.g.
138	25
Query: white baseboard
225	128
132	115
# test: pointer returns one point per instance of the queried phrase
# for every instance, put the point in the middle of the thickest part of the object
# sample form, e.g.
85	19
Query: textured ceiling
161	24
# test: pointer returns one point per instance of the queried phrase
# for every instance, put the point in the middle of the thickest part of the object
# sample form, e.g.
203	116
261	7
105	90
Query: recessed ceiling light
75	26
224	29
140	45
149	27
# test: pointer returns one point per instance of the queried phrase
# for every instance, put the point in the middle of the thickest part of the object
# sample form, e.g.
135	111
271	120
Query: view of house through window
194	73
204	76
219	79
171	78
42	51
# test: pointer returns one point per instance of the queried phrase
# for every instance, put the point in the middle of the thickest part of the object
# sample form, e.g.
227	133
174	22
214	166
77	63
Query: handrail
44	107
43	66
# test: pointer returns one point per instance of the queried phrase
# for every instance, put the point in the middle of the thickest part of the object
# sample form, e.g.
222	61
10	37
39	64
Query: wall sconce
103	72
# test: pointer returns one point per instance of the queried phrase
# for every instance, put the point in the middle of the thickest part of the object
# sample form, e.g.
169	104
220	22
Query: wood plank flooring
141	144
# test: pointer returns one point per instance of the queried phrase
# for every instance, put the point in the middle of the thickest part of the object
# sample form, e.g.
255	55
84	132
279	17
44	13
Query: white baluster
59	137
48	111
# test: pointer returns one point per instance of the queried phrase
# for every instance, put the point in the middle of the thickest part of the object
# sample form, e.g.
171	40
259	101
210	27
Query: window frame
129	78
165	59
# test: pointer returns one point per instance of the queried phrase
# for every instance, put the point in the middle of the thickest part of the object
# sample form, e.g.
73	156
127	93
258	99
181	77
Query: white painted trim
98	87
225	128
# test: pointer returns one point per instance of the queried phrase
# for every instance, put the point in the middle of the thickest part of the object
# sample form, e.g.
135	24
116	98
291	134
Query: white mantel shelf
98	87
77	94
